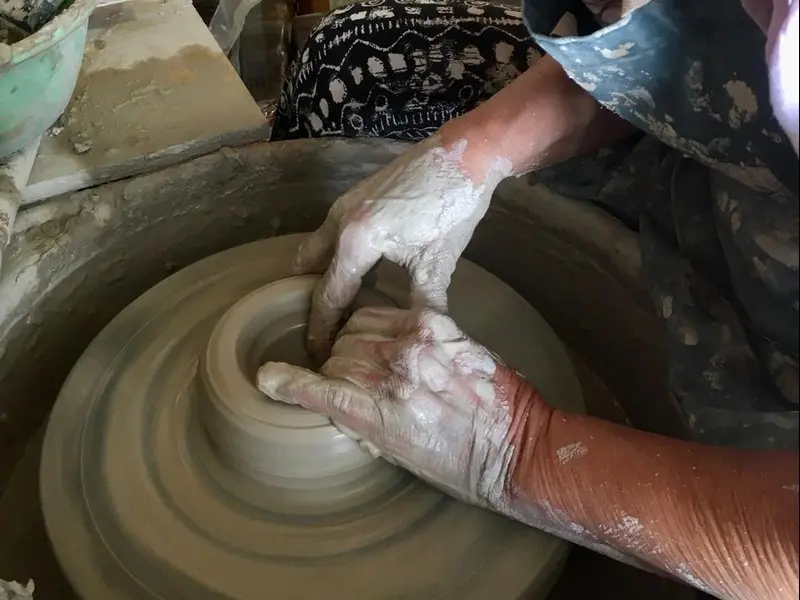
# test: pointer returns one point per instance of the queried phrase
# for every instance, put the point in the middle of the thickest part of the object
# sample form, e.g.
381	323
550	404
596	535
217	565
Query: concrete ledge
154	90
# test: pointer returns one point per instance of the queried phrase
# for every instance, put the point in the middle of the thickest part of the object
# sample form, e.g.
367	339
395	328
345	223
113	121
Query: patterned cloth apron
720	251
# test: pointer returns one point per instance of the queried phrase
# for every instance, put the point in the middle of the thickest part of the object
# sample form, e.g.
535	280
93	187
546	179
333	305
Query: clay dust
121	103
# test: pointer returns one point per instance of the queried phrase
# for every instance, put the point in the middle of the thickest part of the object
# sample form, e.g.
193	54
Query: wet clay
167	475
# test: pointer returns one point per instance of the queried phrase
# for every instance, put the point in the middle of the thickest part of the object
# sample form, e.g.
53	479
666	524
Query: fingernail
272	380
347	431
373	450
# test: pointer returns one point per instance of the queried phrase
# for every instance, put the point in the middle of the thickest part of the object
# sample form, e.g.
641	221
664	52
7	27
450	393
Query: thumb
316	251
286	383
429	283
337	399
337	290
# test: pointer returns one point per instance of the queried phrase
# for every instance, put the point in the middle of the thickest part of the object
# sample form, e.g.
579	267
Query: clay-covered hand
419	212
416	390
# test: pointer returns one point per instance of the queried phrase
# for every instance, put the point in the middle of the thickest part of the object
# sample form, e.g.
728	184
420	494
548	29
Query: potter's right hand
419	211
414	389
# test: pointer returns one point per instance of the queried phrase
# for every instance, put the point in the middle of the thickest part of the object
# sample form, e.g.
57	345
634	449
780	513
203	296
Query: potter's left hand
415	389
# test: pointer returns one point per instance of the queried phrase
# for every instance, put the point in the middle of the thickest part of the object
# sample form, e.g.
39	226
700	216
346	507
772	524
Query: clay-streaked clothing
711	184
720	240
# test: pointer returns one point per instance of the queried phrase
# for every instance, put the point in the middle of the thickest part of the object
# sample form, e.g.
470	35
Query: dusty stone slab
154	90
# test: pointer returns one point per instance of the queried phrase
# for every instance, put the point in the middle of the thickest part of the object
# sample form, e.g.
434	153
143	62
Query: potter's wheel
166	474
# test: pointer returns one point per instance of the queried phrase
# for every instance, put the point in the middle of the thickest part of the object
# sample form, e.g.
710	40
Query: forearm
721	519
540	119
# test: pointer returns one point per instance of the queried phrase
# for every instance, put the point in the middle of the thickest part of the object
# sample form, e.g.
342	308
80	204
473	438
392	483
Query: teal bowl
38	76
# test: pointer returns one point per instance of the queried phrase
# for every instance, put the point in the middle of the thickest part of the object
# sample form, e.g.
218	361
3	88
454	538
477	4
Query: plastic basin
38	76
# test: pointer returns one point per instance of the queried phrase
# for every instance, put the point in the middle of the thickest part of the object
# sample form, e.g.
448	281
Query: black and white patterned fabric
400	69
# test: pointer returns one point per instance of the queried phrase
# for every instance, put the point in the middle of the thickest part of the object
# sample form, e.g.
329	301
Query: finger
431	325
372	448
429	290
403	370
337	399
434	373
470	358
364	346
316	251
430	278
387	321
336	291
366	445
361	372
286	383
466	355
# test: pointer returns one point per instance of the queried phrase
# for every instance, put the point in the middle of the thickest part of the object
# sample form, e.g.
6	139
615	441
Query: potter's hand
419	212
417	390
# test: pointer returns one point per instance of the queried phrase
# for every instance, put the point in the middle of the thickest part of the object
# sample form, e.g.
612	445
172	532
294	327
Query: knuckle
327	296
353	233
403	358
419	321
336	367
443	327
338	400
424	323
361	314
344	346
376	319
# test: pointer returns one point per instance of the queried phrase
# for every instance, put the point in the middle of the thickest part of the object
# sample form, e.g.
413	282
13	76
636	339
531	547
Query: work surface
155	89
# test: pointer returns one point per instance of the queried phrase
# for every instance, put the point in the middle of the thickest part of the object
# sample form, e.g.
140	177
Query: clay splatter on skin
555	522
571	452
627	530
683	572
631	524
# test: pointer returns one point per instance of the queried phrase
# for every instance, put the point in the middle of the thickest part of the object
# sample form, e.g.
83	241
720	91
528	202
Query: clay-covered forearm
540	119
723	520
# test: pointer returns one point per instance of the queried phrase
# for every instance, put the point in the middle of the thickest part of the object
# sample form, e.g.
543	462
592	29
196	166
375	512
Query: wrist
479	158
541	118
529	419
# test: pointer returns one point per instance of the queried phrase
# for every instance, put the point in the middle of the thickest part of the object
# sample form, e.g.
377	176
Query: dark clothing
395	69
711	185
